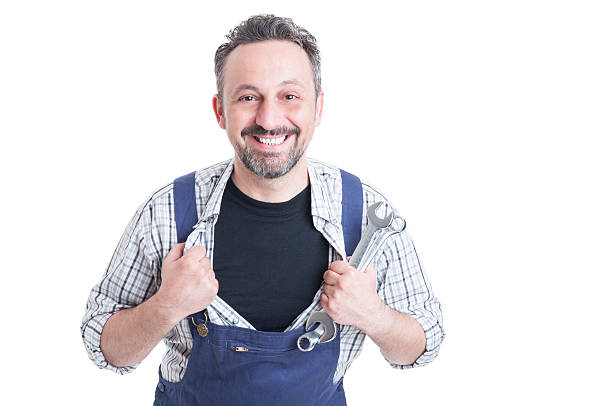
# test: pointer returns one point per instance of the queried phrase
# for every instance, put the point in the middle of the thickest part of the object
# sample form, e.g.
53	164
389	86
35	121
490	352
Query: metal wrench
369	244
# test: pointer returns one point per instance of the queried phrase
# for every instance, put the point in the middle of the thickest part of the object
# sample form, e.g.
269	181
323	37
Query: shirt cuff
91	332
434	334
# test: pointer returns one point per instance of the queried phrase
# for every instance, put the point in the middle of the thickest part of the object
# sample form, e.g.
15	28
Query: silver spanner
368	246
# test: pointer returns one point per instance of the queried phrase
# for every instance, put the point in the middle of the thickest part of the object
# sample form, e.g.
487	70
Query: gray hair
268	27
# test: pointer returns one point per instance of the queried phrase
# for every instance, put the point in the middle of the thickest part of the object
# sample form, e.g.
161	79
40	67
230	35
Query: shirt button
335	220
234	321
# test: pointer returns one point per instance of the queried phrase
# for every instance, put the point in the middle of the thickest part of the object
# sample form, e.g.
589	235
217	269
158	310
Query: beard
270	165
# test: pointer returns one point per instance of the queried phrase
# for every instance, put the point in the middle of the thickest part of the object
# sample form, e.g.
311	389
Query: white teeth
271	141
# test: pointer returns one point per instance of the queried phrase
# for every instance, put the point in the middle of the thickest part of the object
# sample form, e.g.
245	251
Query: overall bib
235	366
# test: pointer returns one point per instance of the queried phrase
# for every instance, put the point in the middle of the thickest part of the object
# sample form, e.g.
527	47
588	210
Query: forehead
267	64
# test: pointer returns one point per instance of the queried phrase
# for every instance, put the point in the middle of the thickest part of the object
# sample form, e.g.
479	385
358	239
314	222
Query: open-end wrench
374	224
368	245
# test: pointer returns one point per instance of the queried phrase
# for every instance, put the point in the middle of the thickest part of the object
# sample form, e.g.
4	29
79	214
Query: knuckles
337	265
331	305
188	263
197	251
332	294
194	265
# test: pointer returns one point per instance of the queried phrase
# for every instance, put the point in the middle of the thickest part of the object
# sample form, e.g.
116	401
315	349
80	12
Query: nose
269	114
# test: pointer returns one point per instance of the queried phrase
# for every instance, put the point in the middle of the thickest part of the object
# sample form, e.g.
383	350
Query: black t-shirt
268	257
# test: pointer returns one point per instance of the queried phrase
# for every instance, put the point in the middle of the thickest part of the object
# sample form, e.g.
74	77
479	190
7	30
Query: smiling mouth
271	140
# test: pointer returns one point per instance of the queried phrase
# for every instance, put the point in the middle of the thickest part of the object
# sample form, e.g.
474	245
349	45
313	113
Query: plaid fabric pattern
134	272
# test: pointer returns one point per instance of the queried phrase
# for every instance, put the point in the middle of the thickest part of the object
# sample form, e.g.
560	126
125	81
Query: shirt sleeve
404	287
128	281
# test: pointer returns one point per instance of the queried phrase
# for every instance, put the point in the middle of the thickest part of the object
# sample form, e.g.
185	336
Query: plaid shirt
134	272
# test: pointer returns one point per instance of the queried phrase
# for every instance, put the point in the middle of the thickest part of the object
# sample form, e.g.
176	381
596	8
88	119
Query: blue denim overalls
235	366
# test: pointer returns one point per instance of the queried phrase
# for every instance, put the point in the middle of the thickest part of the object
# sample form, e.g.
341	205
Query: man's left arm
397	310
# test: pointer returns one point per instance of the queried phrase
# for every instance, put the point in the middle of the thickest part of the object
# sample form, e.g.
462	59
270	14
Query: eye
246	98
290	97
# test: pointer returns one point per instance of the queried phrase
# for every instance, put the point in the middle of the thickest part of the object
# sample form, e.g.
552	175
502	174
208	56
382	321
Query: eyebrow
246	86
242	87
291	82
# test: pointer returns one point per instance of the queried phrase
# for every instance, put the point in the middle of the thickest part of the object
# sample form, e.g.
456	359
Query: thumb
370	271
175	252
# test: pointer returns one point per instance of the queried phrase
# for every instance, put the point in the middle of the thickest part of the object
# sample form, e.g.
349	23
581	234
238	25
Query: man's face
270	108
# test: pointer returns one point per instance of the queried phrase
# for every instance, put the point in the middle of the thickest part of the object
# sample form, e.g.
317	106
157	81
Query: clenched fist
350	296
188	282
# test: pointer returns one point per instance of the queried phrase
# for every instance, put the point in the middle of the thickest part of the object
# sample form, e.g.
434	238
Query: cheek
236	121
302	117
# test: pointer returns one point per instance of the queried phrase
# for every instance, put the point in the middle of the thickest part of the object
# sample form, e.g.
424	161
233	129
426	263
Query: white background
485	123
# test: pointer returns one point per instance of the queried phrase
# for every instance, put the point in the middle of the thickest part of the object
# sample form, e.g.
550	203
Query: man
270	220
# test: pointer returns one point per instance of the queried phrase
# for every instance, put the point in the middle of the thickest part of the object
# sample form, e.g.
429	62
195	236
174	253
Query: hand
188	282
350	296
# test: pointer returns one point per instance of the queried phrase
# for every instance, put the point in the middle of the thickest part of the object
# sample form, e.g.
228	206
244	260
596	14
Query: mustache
259	130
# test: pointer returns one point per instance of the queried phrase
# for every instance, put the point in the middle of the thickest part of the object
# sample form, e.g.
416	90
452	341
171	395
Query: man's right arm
134	306
188	286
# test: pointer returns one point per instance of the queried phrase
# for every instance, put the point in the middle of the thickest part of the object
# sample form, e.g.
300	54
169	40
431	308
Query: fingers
328	295
196	252
331	277
340	267
196	255
370	270
326	291
175	252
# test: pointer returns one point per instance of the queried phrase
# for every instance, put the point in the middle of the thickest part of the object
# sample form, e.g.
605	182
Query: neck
271	190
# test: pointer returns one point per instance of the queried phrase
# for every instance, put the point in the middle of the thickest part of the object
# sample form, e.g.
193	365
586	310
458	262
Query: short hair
265	27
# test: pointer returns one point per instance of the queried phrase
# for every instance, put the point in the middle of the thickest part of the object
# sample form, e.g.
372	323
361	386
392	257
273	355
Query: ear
218	111
318	109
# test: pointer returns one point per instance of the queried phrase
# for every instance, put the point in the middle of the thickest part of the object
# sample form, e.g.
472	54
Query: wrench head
377	221
323	318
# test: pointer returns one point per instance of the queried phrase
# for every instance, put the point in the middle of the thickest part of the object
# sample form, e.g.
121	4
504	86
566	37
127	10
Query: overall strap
185	213
352	208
